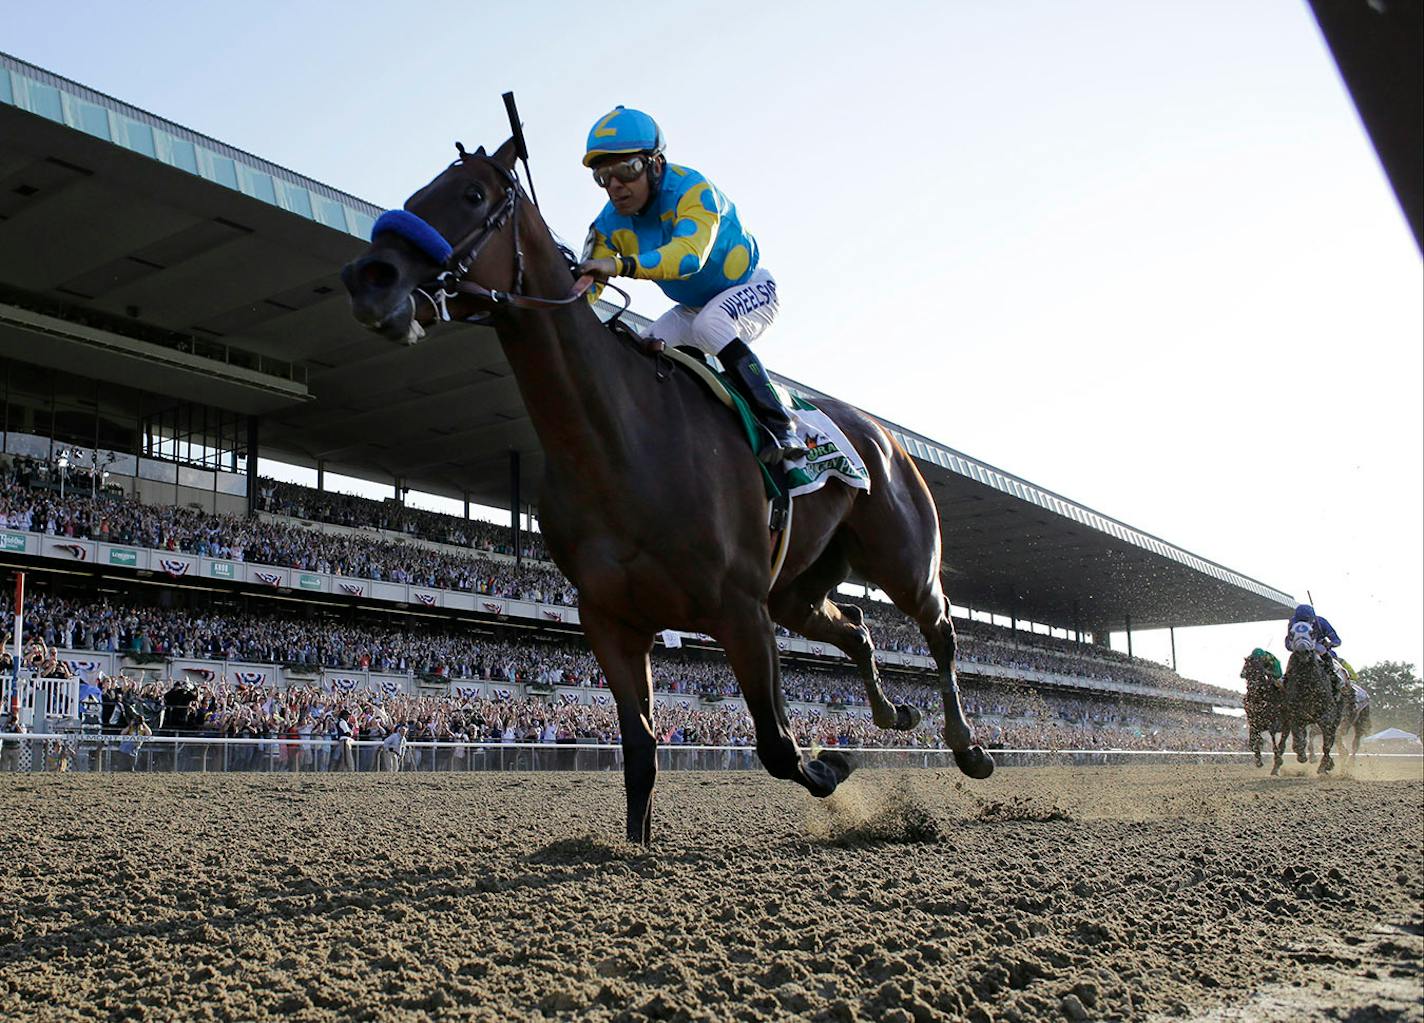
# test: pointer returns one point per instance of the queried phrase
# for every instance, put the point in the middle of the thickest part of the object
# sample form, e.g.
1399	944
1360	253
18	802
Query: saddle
774	478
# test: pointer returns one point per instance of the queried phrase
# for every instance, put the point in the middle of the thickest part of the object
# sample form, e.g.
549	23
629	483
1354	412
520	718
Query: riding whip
521	150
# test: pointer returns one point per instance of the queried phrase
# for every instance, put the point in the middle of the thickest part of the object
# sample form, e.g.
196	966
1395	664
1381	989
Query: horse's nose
369	273
370	281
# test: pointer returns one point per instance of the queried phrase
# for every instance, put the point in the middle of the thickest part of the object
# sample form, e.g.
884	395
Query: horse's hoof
975	762
821	778
1301	757
1275	771
1325	766
907	718
1259	761
837	762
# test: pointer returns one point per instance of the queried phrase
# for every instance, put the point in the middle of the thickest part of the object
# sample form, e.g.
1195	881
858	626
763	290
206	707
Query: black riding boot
749	377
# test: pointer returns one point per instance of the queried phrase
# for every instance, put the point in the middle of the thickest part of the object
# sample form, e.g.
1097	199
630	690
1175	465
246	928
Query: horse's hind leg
893	540
750	644
804	607
1362	727
1254	741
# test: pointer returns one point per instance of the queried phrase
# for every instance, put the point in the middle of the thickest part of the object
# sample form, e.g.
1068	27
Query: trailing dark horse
1311	700
1265	710
653	504
1354	715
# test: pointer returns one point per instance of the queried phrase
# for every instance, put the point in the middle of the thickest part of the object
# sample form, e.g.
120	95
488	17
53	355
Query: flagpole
19	633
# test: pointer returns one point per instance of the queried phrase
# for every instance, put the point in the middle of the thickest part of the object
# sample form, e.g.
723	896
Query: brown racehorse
653	504
1265	710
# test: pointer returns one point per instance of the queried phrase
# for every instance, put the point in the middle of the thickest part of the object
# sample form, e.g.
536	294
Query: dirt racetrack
1200	892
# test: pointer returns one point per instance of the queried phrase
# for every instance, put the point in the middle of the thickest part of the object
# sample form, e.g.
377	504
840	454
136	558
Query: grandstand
170	314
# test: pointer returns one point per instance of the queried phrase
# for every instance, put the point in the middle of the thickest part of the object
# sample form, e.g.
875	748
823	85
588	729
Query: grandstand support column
467	506
1172	635
1129	637
252	422
514	503
320	475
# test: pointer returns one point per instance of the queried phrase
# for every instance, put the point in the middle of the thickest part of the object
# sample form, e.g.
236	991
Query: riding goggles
624	170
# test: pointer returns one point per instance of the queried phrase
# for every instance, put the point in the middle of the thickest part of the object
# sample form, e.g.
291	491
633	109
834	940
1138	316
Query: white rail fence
95	752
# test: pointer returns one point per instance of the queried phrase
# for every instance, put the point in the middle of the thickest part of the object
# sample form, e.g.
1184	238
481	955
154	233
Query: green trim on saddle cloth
833	458
720	389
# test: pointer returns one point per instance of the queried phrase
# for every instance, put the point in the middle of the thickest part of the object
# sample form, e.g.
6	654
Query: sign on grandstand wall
17	543
311	581
122	557
220	569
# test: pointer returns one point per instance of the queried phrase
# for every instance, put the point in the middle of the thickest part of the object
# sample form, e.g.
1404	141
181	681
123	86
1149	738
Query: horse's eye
474	196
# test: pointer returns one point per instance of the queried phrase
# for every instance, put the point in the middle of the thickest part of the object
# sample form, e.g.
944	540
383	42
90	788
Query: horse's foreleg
750	644
623	655
1254	742
1327	740
1278	749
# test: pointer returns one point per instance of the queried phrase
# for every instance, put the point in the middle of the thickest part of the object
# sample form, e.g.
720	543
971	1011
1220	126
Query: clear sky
1140	254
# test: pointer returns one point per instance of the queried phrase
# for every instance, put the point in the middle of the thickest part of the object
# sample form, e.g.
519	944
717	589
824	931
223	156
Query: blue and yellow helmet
623	131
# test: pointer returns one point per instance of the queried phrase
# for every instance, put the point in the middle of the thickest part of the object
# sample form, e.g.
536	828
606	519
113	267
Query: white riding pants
741	312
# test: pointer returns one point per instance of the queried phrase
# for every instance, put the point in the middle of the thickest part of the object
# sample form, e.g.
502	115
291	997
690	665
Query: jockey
1269	660
1320	631
668	224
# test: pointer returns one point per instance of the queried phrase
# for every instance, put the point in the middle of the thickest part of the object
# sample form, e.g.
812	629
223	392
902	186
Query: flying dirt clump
863	813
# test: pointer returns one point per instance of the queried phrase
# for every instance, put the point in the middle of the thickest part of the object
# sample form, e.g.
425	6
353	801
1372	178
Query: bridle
450	282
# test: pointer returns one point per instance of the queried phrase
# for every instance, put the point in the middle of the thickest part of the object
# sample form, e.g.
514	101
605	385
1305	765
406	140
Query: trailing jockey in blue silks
1309	632
668	224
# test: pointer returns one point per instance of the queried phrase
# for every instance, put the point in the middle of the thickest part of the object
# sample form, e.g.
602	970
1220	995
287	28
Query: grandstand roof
151	255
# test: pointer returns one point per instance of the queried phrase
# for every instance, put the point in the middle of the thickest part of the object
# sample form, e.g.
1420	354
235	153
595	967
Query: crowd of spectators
301	716
289	545
27	503
298	502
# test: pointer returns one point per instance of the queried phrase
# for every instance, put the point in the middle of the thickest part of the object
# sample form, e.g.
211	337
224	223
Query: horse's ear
505	155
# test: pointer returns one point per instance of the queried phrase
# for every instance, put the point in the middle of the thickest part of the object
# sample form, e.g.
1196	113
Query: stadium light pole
63	469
